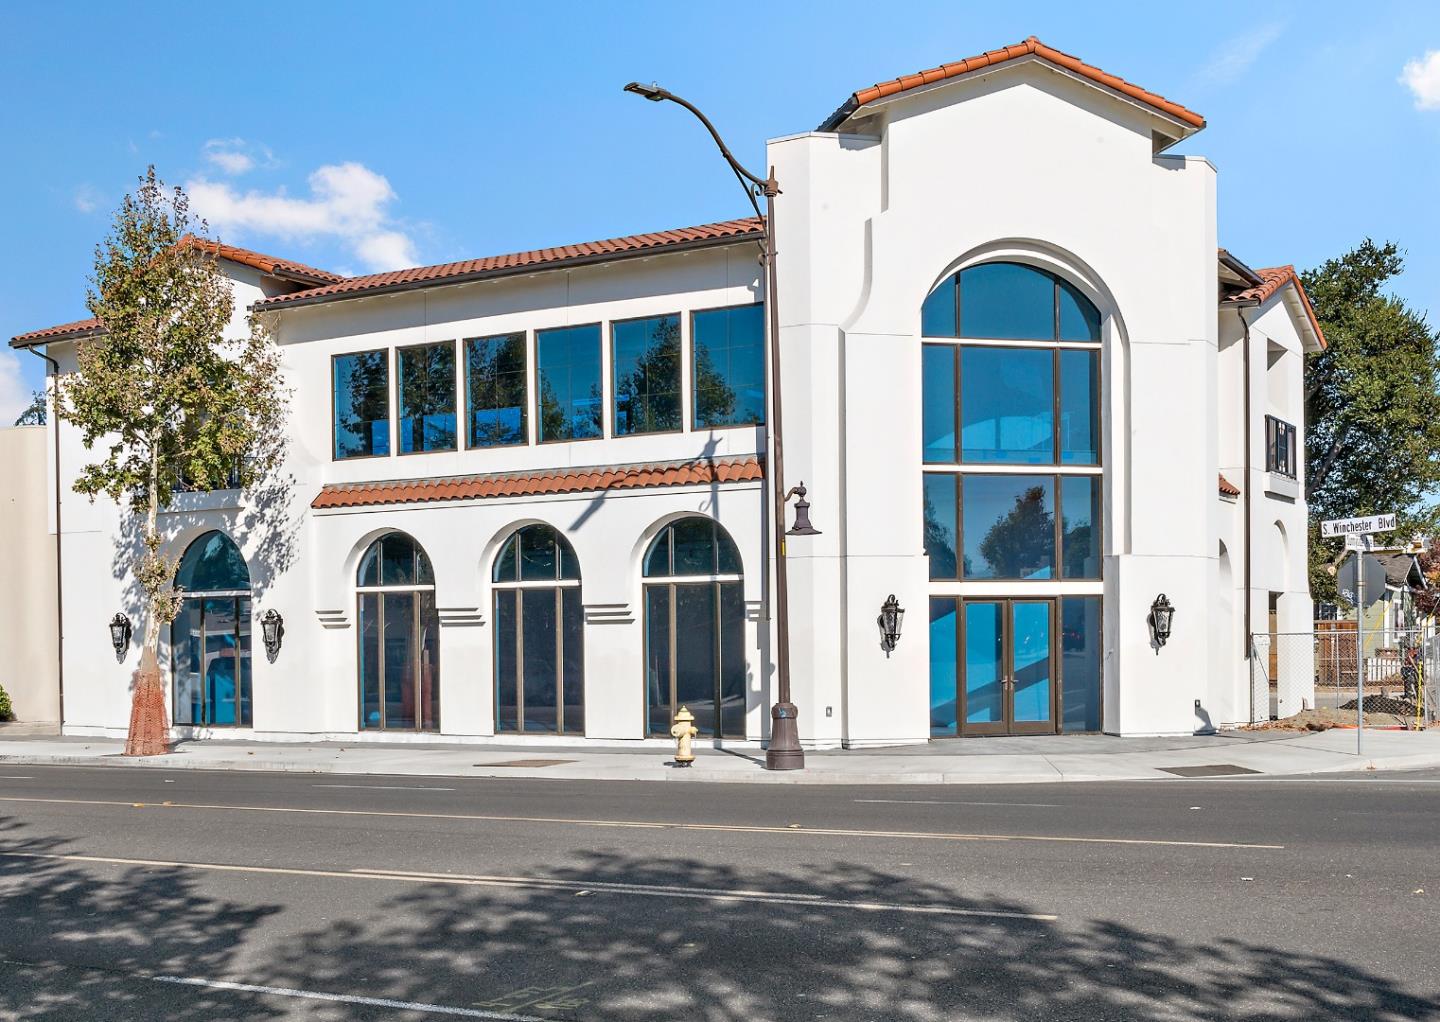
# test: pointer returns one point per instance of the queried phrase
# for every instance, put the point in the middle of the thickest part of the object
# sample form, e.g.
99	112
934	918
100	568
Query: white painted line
943	802
14	777
546	883
728	828
372	1002
383	787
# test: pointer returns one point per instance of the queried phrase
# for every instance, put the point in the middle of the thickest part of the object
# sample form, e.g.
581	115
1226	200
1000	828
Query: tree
34	414
1022	544
1372	408
162	395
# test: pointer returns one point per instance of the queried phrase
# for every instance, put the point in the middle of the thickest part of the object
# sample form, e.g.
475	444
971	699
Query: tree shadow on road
585	950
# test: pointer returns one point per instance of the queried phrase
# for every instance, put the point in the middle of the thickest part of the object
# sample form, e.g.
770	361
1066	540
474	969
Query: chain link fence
1315	674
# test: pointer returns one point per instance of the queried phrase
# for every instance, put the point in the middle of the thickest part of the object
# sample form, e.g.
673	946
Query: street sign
1374	580
1360	541
1350	526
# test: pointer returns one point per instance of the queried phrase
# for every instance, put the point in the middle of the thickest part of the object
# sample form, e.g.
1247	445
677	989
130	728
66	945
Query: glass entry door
1008	665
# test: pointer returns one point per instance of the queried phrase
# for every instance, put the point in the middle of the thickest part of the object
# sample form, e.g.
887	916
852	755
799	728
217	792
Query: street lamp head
652	92
802	526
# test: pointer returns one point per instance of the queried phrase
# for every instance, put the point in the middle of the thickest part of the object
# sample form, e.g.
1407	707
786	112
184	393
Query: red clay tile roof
65	331
1030	47
1228	488
1273	278
725	232
286	269
528	484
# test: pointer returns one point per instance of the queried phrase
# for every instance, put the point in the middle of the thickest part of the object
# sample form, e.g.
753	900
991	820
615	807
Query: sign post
1357	533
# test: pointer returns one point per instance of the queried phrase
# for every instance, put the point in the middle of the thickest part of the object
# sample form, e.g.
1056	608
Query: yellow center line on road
668	892
731	828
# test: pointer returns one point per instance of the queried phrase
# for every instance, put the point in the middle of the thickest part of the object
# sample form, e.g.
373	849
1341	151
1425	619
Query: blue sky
373	135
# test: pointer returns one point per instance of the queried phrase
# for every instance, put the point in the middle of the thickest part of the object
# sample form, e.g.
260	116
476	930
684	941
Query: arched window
1009	301
539	635
210	636
399	637
694	629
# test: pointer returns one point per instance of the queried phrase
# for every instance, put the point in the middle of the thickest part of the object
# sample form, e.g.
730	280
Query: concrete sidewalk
976	761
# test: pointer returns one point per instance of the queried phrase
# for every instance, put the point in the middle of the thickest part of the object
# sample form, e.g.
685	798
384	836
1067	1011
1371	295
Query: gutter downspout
54	422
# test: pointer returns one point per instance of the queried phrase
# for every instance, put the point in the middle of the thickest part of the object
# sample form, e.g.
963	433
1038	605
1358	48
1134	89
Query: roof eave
282	302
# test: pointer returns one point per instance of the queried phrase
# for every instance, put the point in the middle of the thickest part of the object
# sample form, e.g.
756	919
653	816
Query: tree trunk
149	729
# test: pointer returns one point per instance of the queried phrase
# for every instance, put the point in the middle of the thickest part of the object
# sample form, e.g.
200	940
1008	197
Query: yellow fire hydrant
682	731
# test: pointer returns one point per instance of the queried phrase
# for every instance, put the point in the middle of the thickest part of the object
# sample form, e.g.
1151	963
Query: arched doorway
694	629
399	661
539	635
210	636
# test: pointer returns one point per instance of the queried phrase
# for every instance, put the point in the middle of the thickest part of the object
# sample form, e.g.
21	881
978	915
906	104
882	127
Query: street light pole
783	752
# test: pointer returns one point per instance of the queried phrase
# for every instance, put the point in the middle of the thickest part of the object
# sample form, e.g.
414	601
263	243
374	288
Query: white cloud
235	156
348	202
14	393
86	199
1422	77
1235	55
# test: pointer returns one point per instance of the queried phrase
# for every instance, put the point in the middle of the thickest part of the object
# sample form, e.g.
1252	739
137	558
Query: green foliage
34	415
1371	404
7	712
162	395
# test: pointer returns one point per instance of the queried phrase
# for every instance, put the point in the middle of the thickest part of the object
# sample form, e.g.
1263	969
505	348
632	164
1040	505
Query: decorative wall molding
460	617
333	618
609	614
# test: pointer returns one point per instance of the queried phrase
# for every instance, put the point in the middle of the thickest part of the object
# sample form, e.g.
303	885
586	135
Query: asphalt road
145	894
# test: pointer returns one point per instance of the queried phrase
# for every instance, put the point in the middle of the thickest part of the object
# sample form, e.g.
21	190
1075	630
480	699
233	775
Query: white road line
546	883
944	802
383	787
13	777
372	1002
729	828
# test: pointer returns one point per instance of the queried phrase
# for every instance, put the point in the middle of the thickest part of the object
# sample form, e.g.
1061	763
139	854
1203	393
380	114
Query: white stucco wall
29	668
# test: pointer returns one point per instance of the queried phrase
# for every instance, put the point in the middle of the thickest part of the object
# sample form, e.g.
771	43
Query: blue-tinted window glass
1030	653
427	397
507	660
938	407
937	315
361	404
212	563
940	525
1079	319
645	360
567	364
1079	407
1080	525
495	390
984	663
1080	654
1007	406
943	663
1007	301
729	366
1009	526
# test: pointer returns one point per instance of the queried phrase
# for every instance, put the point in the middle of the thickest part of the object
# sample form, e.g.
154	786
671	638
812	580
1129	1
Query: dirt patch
1376	715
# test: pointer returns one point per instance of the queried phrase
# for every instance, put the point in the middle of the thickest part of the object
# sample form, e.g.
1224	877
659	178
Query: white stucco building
527	495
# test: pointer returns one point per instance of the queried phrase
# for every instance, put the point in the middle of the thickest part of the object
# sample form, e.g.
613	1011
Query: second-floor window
495	390
427	397
361	404
729	366
1281	453
645	356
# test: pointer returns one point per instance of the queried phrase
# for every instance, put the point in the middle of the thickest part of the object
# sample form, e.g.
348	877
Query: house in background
529	494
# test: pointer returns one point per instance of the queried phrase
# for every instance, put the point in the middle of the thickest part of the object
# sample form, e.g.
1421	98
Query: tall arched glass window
694	629
399	637
210	637
1013	498
539	635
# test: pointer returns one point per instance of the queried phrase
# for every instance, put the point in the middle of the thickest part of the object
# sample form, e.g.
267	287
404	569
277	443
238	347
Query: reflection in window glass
1080	517
729	366
645	358
1079	319
1007	404
943	662
1032	676
1007	301
937	315
361	404
941	528
495	390
567	364
1080	652
427	397
984	662
1009	526
1079	407
938	403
